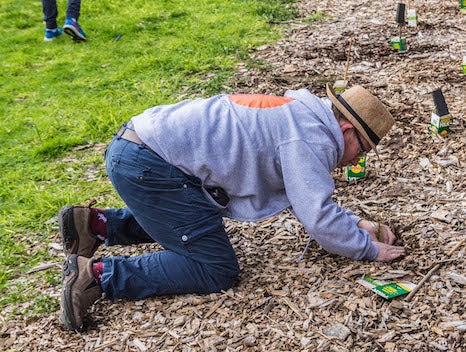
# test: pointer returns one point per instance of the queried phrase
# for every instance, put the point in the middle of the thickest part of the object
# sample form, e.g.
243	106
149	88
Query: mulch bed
417	186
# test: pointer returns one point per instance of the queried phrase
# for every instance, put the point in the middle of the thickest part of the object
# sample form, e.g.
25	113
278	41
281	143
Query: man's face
355	145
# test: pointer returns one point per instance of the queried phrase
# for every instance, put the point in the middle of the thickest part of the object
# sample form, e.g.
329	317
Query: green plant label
339	87
399	44
387	290
356	172
440	124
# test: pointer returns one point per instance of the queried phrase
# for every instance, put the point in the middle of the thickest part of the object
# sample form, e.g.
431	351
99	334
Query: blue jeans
49	8
167	206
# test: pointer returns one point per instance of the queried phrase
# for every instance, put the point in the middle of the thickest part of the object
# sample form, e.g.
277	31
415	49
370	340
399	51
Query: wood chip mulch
417	186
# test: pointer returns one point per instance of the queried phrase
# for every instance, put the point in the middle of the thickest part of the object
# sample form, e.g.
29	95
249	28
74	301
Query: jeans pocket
218	196
162	184
189	234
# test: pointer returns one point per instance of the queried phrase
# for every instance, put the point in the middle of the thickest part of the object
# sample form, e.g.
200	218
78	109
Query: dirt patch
417	185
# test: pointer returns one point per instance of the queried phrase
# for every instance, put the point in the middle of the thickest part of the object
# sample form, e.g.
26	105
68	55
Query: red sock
97	270
99	223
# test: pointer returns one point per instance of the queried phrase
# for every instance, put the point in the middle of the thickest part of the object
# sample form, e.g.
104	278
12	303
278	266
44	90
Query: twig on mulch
433	270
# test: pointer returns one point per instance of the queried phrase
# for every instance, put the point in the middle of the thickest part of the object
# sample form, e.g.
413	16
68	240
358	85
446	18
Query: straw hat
365	112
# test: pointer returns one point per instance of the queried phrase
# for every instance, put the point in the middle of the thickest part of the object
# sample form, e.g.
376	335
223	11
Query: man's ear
346	126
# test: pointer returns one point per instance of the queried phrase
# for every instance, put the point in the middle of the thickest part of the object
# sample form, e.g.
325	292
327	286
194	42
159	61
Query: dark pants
167	206
49	7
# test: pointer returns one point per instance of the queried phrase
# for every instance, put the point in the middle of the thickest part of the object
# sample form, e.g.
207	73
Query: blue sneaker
52	34
72	28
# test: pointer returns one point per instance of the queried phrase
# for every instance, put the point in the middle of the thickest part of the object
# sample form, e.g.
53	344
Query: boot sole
75	35
66	315
66	227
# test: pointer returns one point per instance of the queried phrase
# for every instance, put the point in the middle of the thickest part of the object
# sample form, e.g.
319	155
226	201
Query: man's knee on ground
223	276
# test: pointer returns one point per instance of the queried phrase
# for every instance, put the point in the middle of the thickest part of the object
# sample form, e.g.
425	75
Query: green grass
56	97
317	16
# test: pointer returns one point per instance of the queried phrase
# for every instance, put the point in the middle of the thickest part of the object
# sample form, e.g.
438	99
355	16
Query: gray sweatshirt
268	153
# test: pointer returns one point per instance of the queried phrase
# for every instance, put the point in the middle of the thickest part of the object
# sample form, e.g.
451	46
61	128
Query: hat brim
333	97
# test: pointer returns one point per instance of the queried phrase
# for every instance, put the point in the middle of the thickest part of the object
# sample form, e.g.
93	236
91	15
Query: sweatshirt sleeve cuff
372	253
355	218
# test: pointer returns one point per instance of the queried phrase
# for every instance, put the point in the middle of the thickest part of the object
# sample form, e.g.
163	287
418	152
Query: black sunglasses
363	152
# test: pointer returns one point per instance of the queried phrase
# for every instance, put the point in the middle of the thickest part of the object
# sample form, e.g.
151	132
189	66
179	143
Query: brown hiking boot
74	223
79	291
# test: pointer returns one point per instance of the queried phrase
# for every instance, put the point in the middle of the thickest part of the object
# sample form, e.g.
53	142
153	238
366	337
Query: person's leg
49	8
123	229
170	206
71	26
73	10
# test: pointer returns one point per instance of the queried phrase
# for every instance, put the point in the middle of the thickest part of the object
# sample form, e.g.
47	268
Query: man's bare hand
378	233
387	252
384	238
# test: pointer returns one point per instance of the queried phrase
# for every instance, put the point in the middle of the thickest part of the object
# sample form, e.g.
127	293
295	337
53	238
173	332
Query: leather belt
130	135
